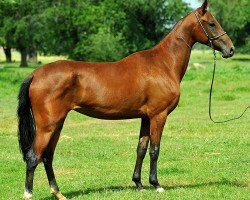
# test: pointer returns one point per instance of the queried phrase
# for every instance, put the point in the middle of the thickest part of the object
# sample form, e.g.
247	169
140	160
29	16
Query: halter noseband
209	38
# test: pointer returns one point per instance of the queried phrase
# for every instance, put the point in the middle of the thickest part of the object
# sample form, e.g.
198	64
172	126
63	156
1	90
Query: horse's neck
176	47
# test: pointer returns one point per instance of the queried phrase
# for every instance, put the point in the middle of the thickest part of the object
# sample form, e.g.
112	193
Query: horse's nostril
232	51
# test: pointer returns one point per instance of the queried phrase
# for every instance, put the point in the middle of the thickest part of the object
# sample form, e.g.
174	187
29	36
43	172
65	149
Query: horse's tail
26	123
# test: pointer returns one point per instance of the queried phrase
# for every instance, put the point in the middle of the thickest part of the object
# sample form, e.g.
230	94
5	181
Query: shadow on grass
20	68
241	59
212	183
87	191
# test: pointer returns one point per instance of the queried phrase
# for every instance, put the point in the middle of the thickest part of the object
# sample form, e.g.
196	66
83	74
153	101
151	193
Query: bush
246	47
102	46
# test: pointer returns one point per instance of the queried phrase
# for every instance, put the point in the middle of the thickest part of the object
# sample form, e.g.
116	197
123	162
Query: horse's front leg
141	151
157	123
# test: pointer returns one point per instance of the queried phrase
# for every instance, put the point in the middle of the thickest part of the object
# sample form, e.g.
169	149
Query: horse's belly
112	103
109	113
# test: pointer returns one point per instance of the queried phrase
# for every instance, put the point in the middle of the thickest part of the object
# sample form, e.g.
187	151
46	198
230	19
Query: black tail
26	124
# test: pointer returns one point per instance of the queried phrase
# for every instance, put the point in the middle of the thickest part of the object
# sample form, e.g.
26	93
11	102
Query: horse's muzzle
228	54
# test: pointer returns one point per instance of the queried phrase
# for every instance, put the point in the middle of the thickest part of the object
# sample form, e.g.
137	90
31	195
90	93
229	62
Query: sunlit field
95	158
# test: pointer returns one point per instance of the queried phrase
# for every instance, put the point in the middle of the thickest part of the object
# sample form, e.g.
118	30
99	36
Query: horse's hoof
160	190
141	190
27	196
58	194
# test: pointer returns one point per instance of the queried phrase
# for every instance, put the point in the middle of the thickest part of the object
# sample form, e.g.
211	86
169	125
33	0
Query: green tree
148	21
125	26
5	8
19	25
59	35
96	30
105	46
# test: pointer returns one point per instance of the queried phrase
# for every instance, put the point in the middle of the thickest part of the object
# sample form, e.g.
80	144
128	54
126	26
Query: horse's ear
203	9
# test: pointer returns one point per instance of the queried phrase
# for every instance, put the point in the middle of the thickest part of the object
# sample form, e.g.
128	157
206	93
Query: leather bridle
211	39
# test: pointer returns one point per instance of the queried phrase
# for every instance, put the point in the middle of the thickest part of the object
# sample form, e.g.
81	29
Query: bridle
211	39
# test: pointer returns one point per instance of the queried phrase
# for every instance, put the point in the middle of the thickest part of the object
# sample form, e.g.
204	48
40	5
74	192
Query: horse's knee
154	152
142	149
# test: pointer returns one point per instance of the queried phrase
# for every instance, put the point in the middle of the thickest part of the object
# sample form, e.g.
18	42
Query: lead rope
211	92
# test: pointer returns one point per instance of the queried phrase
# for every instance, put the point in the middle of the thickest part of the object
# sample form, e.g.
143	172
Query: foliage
104	46
19	25
5	8
127	26
58	33
147	23
69	27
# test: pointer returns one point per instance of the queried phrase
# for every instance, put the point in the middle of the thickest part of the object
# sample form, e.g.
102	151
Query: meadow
95	158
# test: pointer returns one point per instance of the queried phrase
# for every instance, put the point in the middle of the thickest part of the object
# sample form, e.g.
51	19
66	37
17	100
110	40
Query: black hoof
139	186
154	183
141	189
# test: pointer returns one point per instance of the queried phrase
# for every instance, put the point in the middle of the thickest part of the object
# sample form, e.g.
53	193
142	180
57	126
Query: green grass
94	158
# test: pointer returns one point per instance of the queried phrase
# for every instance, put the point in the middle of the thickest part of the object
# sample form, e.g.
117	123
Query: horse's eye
212	24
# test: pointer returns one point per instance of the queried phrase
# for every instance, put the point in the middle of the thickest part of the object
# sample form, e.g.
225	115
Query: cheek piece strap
211	39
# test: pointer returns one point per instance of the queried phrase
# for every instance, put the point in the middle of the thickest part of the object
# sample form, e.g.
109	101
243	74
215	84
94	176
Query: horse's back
103	90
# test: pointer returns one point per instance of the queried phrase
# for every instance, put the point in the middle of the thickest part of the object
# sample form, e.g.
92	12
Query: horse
143	85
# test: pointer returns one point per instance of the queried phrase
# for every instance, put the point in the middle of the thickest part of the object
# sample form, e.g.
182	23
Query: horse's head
208	30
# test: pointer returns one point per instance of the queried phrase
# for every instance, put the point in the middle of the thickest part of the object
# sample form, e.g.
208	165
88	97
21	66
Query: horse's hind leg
47	160
31	164
44	135
33	158
141	151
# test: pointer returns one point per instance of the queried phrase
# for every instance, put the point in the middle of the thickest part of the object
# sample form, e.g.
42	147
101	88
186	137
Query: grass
95	158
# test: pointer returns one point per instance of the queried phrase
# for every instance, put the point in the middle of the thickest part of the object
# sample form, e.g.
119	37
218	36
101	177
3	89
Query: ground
94	158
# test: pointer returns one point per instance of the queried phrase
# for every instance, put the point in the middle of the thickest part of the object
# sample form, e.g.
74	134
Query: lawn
95	158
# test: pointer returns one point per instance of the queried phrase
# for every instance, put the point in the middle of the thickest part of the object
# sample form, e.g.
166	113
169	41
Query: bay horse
143	85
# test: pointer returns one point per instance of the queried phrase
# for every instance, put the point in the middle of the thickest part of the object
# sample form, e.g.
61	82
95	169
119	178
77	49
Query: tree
6	49
105	46
19	26
149	21
95	30
5	7
27	27
60	35
78	29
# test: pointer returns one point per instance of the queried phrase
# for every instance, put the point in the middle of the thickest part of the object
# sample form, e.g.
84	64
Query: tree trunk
7	52
24	58
32	57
